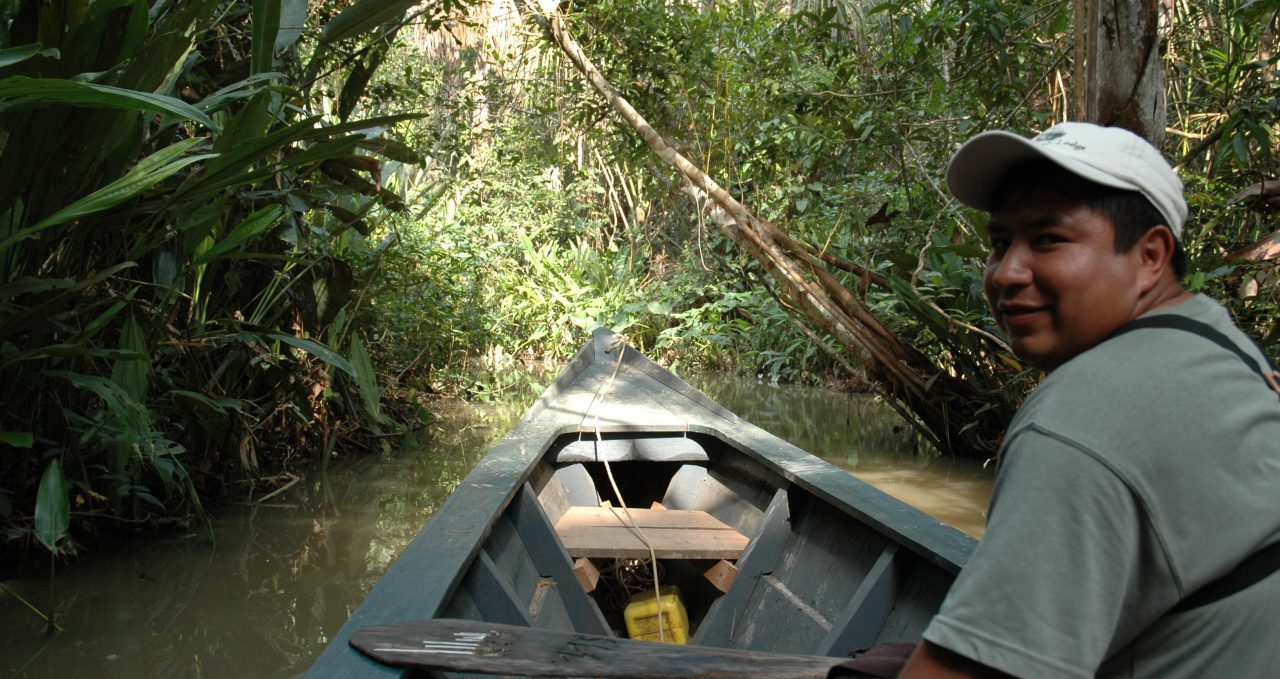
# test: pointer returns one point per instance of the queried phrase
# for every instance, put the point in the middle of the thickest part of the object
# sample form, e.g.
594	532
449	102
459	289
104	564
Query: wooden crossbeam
674	534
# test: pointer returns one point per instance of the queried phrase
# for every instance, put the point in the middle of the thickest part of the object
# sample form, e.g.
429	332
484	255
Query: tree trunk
1124	78
947	410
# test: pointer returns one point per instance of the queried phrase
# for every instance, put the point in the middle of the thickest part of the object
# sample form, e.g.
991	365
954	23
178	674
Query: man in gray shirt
1146	465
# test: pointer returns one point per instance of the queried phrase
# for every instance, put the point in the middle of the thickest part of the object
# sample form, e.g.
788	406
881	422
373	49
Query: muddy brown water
286	574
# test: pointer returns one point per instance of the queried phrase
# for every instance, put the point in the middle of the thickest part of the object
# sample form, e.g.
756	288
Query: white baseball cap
1110	156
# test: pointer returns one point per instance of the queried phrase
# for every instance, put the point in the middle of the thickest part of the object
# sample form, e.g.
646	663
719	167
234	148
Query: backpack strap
1265	561
1247	573
1267	369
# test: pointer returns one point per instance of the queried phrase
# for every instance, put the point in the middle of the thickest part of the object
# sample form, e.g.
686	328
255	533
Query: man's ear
1155	256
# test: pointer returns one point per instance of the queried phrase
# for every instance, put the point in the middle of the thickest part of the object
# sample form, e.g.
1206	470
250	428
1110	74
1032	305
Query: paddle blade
475	646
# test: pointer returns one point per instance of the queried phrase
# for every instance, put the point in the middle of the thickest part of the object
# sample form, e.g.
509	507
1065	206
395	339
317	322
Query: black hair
1130	212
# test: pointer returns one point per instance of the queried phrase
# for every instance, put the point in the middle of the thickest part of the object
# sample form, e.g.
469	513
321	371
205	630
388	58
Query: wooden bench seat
674	534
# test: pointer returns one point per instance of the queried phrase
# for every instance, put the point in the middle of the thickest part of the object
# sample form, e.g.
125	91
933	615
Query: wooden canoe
772	548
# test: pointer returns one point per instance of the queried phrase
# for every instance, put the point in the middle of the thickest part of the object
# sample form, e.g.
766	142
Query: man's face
1054	280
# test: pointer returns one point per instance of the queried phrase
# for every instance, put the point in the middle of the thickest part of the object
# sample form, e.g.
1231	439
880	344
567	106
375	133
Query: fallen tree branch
945	409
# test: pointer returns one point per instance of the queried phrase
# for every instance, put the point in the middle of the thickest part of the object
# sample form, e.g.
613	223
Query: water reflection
280	581
285	576
865	436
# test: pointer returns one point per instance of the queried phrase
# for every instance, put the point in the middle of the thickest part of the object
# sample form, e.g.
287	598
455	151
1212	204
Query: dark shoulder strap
1246	574
1176	322
1265	561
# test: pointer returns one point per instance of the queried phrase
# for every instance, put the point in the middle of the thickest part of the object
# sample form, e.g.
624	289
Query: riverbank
285	574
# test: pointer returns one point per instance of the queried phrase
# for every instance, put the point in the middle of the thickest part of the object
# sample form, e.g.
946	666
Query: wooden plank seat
674	534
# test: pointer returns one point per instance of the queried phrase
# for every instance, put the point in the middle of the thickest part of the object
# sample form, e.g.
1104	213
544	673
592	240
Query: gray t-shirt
1136	473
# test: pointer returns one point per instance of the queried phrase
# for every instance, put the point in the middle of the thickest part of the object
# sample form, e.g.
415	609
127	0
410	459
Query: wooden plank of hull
673	534
863	618
552	562
720	625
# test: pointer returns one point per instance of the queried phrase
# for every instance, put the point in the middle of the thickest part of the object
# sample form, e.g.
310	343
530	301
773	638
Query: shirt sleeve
1051	590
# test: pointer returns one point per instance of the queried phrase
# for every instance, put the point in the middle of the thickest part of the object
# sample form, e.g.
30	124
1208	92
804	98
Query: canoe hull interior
813	579
772	548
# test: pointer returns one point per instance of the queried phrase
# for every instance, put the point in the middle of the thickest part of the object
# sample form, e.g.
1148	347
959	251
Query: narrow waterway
285	574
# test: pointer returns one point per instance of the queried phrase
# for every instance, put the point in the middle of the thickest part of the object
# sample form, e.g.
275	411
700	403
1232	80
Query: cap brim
976	170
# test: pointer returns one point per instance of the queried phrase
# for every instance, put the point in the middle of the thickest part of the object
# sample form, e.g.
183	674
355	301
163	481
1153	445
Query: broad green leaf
209	413
392	149
18	323
219	405
105	317
325	150
76	351
253	226
53	507
367	381
251	86
131	417
142	494
41	90
318	350
17	439
266	25
147	173
251	122
15	55
969	250
230	167
363	16
28	285
293	17
368	125
132	374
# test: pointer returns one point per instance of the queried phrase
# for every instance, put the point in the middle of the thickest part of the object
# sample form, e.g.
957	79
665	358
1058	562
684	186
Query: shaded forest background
237	237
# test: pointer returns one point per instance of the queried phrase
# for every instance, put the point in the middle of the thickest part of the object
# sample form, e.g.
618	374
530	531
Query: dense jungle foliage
238	237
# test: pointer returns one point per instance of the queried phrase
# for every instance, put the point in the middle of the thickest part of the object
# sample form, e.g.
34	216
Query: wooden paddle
475	646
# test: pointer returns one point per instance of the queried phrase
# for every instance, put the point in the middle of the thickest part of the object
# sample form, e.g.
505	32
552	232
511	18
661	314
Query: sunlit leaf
318	350
363	16
392	149
22	90
147	173
366	379
266	25
293	16
254	225
251	86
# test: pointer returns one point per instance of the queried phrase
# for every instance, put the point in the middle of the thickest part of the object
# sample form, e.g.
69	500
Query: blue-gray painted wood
858	627
685	487
643	400
662	449
737	503
826	556
913	610
511	562
552	561
760	558
493	595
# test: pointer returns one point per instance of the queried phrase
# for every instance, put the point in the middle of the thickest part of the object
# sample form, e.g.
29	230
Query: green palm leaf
147	173
22	90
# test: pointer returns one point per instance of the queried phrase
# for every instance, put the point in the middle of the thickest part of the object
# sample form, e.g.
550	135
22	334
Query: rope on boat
601	393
